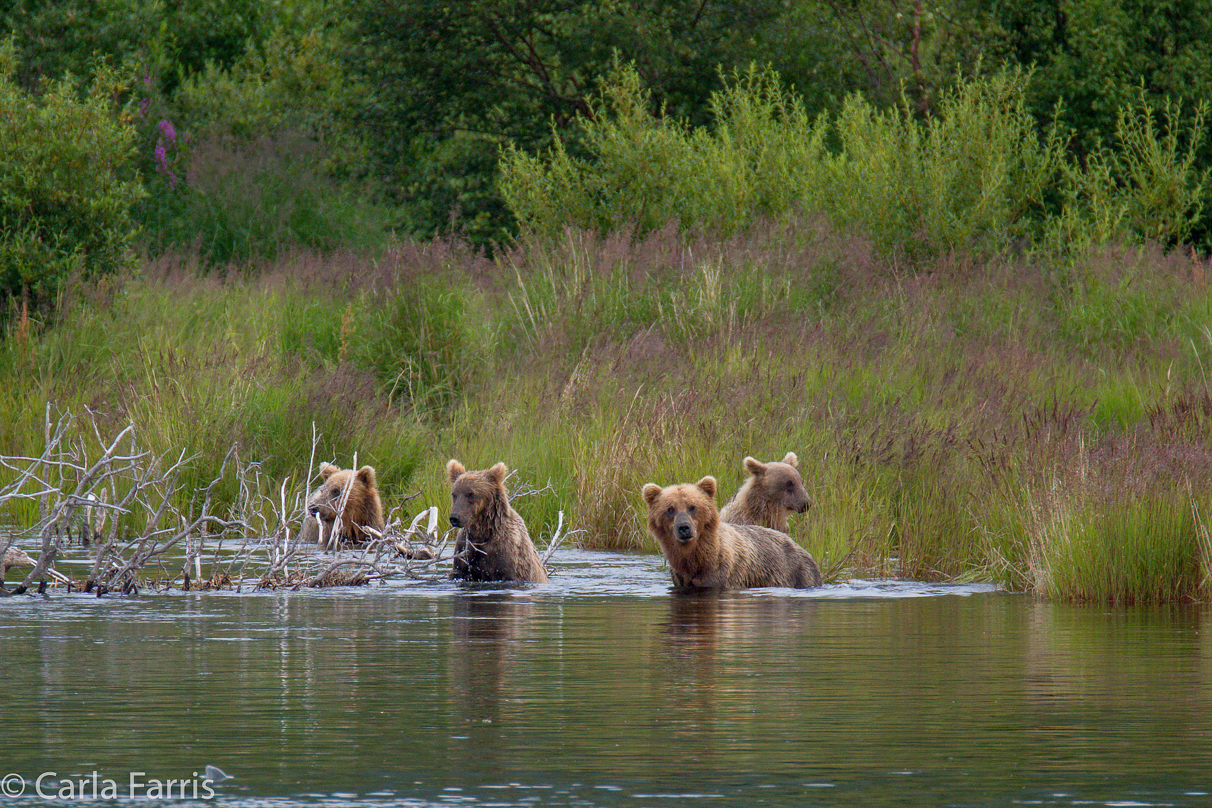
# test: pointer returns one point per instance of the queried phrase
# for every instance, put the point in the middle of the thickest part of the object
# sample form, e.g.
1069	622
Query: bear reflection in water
716	653
487	672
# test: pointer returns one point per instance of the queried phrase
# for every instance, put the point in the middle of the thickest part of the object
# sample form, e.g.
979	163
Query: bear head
476	497
682	515
780	483
353	491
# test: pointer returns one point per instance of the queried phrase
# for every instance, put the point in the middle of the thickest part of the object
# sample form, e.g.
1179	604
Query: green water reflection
394	696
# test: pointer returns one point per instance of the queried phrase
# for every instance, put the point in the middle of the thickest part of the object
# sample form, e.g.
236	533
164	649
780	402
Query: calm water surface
602	688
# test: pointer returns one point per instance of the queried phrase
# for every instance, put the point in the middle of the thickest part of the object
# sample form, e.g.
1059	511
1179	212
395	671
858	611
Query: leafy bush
293	83
175	39
1100	57
258	201
976	175
643	170
450	83
64	200
972	175
1147	188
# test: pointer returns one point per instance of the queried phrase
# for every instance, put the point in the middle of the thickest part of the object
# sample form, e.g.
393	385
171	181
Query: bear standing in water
493	543
773	492
704	552
352	494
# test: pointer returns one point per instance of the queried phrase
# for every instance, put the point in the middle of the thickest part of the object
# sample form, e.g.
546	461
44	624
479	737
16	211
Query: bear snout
455	521
683	529
804	505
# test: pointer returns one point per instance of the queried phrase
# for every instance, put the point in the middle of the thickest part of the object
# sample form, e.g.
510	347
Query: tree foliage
413	102
1095	56
65	193
171	38
453	82
972	176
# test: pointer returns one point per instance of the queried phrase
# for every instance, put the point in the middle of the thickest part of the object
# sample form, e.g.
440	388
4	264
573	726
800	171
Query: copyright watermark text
93	786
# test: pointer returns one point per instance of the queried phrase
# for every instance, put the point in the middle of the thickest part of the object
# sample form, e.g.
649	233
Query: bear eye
669	512
789	485
691	509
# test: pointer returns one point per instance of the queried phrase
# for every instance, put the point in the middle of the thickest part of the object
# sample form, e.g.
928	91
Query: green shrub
449	83
971	176
974	175
1148	188
293	82
256	202
644	170
65	199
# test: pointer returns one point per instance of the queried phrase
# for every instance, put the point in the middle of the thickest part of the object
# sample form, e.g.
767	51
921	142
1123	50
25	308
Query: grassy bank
1032	421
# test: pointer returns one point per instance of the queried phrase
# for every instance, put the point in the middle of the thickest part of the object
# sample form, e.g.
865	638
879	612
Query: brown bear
355	495
772	493
492	543
704	552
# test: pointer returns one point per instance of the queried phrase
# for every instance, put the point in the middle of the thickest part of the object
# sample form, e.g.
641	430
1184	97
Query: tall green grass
202	364
1144	550
1043	423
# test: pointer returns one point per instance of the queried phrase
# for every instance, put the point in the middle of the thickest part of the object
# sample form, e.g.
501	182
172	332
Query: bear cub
492	543
705	552
772	493
362	507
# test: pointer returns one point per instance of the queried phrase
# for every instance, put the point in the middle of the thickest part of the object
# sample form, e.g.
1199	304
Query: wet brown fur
363	508
493	543
772	493
719	555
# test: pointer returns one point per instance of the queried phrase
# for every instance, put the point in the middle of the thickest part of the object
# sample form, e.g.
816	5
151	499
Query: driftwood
129	507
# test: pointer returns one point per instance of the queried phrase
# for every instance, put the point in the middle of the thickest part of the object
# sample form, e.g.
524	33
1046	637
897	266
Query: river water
603	688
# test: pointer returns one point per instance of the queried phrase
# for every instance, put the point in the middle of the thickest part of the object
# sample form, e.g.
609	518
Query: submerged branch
82	482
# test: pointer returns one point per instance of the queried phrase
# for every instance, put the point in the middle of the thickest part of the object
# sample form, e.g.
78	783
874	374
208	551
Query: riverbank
1037	422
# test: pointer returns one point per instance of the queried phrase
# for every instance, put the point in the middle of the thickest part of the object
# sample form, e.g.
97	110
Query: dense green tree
886	48
1095	55
171	38
65	193
452	82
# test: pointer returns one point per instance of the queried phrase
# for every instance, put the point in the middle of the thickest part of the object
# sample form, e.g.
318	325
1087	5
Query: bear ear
327	470
651	492
707	486
455	470
792	460
498	473
754	467
366	475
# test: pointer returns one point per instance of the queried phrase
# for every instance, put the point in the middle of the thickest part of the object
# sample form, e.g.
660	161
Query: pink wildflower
167	130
